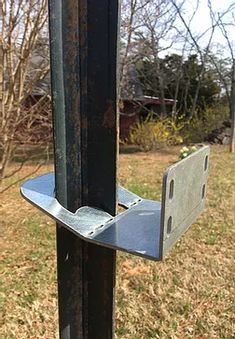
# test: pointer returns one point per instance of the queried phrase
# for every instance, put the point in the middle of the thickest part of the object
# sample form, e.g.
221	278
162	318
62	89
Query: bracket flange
147	228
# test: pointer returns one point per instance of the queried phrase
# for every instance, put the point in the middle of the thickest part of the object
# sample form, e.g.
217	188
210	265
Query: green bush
198	129
151	135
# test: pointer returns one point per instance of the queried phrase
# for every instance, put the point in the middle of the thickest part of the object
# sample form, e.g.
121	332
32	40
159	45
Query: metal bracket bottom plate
147	228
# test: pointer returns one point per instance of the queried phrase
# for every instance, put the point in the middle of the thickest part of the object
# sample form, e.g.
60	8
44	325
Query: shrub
151	135
198	129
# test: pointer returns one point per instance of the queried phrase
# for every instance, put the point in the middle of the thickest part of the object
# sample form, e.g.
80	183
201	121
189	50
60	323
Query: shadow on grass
33	153
129	149
165	150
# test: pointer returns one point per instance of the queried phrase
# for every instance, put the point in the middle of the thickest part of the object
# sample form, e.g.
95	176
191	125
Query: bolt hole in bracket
146	228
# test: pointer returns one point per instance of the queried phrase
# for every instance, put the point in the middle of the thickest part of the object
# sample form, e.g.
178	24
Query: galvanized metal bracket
146	228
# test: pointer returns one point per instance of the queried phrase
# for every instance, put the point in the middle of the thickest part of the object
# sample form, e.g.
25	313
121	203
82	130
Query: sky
202	18
202	21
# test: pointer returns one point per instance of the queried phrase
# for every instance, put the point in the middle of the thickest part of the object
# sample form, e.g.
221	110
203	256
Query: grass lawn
189	295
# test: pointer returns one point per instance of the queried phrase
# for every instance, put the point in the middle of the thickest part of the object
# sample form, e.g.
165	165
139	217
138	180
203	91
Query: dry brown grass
189	295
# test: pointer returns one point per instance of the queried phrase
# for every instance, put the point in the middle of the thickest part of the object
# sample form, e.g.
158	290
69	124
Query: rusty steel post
83	40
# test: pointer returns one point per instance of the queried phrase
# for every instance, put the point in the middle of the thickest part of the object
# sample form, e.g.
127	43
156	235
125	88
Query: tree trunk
5	157
232	110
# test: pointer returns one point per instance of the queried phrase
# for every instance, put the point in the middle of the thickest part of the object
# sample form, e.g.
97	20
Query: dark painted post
83	36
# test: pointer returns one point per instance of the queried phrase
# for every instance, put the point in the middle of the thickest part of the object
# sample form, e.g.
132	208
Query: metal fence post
83	39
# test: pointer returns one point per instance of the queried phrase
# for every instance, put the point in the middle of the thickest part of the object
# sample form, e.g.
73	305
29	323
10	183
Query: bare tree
22	25
224	21
158	19
145	26
195	40
131	23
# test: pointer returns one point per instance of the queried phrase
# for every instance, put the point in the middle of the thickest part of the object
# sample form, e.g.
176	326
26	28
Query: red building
136	110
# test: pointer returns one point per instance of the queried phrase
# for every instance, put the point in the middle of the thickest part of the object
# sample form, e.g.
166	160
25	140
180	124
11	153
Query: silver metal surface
183	195
147	228
126	198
